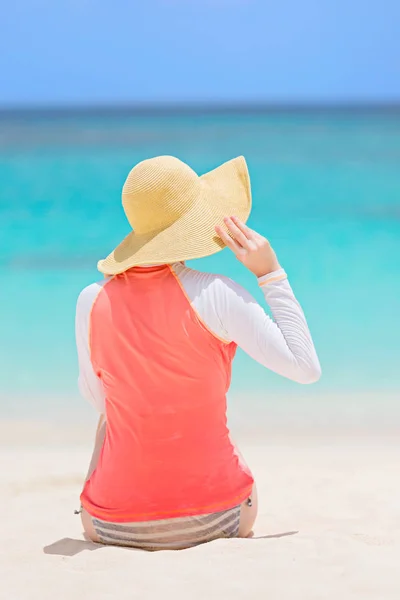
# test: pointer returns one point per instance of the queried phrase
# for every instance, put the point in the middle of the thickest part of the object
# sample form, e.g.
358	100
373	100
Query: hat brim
224	191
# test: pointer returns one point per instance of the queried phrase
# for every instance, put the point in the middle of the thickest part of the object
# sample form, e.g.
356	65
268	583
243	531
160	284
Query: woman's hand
252	249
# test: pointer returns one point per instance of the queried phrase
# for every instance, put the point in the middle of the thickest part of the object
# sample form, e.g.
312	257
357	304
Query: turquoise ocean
326	192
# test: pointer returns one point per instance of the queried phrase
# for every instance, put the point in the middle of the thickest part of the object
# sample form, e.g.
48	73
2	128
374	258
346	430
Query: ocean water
326	192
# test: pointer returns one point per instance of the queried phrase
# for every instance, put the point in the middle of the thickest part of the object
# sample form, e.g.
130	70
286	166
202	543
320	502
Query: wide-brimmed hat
173	211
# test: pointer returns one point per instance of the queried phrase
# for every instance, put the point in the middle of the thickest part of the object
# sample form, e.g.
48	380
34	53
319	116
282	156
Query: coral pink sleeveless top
167	450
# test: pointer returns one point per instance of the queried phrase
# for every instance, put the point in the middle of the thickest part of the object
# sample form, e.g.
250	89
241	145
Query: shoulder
210	285
201	278
88	295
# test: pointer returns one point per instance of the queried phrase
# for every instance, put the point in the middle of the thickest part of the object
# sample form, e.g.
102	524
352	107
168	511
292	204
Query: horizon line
191	108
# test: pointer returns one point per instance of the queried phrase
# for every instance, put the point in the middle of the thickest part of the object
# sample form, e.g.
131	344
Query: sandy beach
328	526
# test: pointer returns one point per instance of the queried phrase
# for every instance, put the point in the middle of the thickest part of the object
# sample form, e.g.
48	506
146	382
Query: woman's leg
86	518
88	526
248	514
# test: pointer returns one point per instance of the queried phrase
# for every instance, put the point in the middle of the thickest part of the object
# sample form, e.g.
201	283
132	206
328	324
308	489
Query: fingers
228	241
249	233
243	238
237	233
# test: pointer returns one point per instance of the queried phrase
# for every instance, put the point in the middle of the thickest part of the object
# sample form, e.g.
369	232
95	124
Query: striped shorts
170	534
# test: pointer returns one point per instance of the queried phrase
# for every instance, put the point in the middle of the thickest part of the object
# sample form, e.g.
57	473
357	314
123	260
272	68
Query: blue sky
63	52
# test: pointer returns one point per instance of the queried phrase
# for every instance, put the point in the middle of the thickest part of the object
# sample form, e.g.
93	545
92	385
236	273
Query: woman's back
165	378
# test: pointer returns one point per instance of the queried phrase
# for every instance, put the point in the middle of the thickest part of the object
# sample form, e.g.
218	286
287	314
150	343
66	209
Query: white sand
328	528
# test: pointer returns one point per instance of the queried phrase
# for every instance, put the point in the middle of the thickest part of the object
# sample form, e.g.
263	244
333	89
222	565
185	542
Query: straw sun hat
173	211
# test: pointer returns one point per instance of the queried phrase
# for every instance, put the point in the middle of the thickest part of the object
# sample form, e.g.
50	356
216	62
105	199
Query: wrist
272	277
262	272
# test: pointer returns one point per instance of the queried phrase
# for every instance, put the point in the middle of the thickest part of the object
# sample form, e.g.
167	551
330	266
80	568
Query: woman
155	343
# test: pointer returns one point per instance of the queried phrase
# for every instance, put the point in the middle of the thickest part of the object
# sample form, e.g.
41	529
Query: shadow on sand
271	536
71	547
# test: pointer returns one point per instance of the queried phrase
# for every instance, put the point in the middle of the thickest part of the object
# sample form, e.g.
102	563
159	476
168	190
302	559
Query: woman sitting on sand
156	342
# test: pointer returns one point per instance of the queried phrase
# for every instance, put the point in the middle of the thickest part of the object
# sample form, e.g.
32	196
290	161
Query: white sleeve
283	344
89	384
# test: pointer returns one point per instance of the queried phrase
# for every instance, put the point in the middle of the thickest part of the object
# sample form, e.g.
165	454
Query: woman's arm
283	344
89	384
100	434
